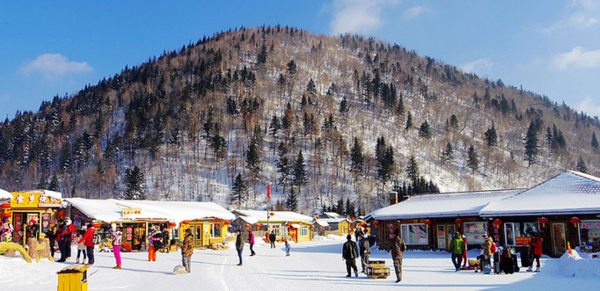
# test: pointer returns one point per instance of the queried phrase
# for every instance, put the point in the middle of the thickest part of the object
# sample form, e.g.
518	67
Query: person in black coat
349	254
272	238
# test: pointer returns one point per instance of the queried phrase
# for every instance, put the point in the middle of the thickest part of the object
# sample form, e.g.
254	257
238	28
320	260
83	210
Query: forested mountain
325	121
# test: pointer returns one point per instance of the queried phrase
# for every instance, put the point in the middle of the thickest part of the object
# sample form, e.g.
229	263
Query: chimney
393	198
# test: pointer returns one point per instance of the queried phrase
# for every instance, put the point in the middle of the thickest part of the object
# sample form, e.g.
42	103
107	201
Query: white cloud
53	66
580	14
577	58
358	16
480	67
413	12
588	106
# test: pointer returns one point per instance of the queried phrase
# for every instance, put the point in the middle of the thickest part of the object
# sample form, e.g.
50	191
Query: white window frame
304	231
582	224
405	233
212	230
479	240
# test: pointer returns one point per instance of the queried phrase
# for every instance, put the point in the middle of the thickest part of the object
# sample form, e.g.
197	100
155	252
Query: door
441	237
197	232
559	241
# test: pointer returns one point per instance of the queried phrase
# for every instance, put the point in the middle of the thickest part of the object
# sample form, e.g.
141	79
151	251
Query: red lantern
458	221
329	228
497	223
5	205
185	222
427	222
61	213
312	226
575	220
5	215
97	225
543	221
227	223
321	228
248	226
172	224
271	213
317	217
376	223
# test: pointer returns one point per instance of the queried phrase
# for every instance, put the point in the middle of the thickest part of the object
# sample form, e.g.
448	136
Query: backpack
157	244
493	248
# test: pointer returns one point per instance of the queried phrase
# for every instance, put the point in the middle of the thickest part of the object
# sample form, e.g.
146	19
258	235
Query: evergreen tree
42	184
412	169
581	167
339	207
284	165
594	141
54	184
292	68
291	202
300	177
453	123
261	58
409	122
424	130
253	159
531	143
344	105
400	106
491	138
135	184
472	159
275	125
356	156
447	154
239	191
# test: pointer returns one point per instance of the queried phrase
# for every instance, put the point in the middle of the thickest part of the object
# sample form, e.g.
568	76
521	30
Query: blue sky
50	48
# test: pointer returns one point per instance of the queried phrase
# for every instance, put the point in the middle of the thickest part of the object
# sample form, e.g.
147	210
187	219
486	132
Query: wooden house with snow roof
285	224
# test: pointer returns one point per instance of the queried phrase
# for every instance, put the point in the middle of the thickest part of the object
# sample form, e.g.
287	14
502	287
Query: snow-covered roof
284	216
568	193
441	205
5	195
110	210
333	220
331	215
322	222
249	219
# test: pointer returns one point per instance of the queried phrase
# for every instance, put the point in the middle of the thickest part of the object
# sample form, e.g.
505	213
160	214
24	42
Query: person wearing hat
187	250
535	248
349	254
69	236
61	237
397	248
88	241
365	251
488	244
151	244
457	247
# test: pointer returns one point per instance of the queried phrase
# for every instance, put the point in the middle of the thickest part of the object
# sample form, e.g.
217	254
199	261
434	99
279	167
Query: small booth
24	208
285	224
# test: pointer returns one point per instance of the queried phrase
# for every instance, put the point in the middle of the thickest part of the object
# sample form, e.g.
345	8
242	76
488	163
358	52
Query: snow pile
573	266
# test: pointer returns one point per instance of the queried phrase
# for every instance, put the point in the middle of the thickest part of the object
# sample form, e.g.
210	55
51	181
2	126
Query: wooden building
285	224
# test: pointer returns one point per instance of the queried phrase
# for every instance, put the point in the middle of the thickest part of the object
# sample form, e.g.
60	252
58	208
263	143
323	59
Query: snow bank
573	266
329	237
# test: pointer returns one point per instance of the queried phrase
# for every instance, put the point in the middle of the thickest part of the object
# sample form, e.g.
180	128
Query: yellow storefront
40	206
206	231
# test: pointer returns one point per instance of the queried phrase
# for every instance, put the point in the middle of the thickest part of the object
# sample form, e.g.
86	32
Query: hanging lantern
227	223
497	223
6	215
574	220
329	228
376	223
321	228
185	222
97	225
427	222
172	224
317	217
312	227
543	221
5	205
458	221
391	225
248	226
61	213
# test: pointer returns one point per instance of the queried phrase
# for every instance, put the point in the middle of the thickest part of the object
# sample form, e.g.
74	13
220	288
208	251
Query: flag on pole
268	191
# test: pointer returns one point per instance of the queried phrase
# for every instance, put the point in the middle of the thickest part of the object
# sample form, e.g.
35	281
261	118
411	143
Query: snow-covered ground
315	265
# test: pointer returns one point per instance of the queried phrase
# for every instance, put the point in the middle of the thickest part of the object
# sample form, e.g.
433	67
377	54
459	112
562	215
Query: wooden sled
377	270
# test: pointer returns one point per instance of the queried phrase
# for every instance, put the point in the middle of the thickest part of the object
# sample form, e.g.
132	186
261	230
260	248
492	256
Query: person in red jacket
88	241
535	249
69	236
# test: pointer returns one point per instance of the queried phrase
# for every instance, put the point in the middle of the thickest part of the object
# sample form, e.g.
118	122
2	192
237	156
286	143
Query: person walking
117	236
51	233
251	242
272	239
365	251
457	247
239	245
488	250
152	237
397	248
88	240
349	254
187	250
81	247
464	255
166	239
535	250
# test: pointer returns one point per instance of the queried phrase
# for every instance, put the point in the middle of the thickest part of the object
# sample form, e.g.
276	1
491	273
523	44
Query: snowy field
316	265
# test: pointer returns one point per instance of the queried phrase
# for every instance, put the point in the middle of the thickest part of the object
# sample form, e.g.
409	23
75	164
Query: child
287	248
81	246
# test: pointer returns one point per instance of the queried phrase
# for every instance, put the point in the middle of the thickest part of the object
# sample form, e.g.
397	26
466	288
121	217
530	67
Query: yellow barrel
73	278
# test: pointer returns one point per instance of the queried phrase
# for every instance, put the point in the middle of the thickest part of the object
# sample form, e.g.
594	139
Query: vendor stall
36	209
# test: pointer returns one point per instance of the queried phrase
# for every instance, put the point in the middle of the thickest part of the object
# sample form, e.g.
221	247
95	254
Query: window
474	231
519	233
590	231
215	230
415	234
275	228
304	231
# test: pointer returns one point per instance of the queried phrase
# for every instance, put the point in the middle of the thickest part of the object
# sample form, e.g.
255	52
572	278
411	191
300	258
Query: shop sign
131	211
34	199
523	241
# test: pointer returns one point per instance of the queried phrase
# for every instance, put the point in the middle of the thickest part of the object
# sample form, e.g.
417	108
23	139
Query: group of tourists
504	258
